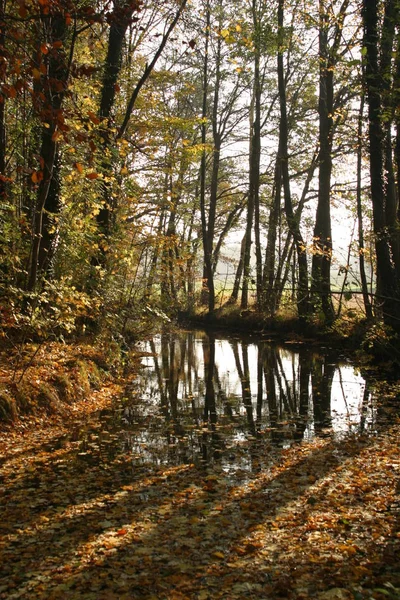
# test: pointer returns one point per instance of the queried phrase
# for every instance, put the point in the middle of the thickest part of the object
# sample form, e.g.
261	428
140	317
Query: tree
378	45
293	223
322	241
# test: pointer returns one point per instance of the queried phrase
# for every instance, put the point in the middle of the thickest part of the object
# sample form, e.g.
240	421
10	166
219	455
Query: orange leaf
44	48
122	532
58	44
37	176
93	117
78	167
22	9
56	135
92	175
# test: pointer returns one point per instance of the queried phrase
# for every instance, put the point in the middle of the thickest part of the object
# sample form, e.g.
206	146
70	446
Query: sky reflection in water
210	398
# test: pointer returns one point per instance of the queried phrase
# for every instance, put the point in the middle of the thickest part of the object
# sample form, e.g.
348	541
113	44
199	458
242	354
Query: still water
208	399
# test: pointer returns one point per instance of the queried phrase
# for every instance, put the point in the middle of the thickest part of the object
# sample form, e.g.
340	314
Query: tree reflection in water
208	397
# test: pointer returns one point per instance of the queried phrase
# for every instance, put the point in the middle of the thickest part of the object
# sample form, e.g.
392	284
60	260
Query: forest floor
319	519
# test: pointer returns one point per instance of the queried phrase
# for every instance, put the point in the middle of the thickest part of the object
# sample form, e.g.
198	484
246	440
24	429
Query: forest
199	299
190	156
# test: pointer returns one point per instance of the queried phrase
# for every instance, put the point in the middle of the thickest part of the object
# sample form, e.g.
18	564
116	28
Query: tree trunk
322	241
209	279
387	280
55	84
3	69
239	272
269	296
293	224
208	273
254	167
361	247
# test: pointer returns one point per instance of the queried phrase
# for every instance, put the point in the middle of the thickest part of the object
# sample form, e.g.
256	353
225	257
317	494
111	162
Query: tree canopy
195	154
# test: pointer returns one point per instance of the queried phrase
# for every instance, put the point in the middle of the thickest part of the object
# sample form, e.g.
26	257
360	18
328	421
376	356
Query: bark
119	22
269	295
3	67
388	98
238	276
293	224
388	283
211	263
361	247
54	85
209	279
254	167
322	251
396	103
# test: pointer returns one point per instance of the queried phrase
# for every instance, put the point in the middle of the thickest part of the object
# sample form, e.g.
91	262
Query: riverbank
50	383
370	342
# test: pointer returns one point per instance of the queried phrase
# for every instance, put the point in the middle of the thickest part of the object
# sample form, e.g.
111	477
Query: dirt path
80	520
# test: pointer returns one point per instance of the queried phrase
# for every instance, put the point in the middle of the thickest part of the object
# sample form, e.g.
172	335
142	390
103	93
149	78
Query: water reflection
204	398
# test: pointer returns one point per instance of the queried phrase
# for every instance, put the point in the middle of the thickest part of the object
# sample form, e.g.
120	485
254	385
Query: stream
232	402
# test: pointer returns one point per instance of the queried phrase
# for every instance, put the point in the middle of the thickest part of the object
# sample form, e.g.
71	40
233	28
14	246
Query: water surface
206	398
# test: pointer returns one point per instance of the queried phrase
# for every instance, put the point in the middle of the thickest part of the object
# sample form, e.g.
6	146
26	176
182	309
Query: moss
23	398
57	378
48	399
8	407
64	386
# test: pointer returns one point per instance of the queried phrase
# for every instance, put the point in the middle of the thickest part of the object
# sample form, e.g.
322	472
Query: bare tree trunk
293	224
269	296
209	279
361	247
322	251
238	276
254	167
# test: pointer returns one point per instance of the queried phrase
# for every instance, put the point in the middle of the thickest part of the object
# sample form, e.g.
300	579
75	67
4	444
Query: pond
205	398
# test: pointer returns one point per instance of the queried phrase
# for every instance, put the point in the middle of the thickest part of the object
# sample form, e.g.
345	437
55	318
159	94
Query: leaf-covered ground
316	520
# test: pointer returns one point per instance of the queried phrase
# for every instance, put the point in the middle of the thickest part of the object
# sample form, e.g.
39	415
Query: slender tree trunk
238	276
3	69
55	83
387	71
322	242
120	20
361	247
254	166
209	279
269	296
208	274
302	294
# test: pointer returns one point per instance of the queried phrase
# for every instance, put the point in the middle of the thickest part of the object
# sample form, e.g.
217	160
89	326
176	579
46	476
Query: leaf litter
85	517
